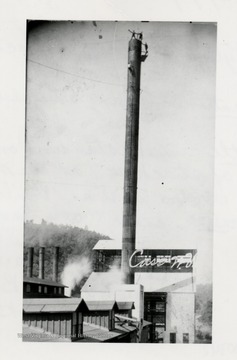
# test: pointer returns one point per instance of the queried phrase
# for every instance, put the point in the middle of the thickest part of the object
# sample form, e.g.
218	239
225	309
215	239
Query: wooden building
101	313
62	317
40	288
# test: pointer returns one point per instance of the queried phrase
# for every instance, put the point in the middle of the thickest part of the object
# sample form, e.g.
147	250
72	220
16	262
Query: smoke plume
74	272
115	277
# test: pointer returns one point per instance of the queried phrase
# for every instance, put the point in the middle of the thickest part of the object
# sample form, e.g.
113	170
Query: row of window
55	291
173	338
158	335
44	289
156	306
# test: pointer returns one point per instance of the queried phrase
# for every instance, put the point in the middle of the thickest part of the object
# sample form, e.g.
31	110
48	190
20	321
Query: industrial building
168	281
161	280
73	319
34	287
39	287
62	317
51	316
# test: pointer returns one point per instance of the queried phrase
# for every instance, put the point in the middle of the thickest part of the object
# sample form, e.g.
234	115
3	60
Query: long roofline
35	280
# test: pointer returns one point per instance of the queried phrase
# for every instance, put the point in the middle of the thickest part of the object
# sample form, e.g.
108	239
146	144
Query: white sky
76	131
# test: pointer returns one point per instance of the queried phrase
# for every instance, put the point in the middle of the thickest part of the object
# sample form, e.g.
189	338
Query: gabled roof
102	305
125	305
54	305
34	280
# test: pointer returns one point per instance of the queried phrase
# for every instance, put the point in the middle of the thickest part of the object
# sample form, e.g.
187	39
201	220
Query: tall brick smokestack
30	259
41	262
55	263
131	157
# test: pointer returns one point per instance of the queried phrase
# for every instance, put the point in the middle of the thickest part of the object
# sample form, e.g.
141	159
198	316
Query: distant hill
73	241
204	312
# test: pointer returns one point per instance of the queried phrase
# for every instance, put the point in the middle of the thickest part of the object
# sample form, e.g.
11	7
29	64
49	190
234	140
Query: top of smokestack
55	262
30	261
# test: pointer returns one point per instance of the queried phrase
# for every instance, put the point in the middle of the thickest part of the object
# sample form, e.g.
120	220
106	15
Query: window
172	338
148	306
28	288
149	318
160	306
159	319
55	290
159	333
39	288
45	289
155	311
186	338
60	290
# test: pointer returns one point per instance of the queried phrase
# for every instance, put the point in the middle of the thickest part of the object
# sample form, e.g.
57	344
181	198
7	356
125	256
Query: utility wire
114	58
53	182
57	183
72	74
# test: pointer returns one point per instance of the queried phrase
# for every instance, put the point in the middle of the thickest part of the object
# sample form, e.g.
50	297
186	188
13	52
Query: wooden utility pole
135	58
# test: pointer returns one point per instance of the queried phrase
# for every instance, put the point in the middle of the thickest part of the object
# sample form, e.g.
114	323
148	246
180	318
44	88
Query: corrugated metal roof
101	305
38	281
102	335
56	301
108	245
60	308
49	308
54	305
125	327
98	334
32	308
125	305
53	301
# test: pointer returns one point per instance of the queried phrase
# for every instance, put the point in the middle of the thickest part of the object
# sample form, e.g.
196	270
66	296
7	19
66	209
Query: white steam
74	272
114	276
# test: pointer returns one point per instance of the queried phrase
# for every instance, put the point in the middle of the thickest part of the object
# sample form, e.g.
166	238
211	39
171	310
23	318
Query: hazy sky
76	113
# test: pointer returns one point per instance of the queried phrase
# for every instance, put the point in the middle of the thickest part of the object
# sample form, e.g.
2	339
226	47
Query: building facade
168	279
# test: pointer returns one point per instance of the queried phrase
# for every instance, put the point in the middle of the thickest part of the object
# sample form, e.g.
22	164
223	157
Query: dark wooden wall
58	323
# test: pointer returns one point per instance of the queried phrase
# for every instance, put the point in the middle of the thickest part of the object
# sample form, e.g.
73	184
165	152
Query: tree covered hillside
204	313
73	242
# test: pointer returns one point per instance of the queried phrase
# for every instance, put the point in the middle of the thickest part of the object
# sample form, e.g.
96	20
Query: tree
72	240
